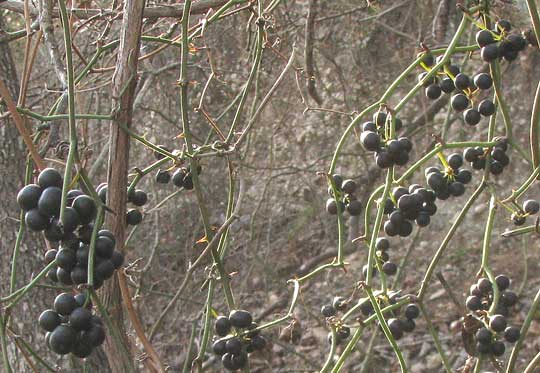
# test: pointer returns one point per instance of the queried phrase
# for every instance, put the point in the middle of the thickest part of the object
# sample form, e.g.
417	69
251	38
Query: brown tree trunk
123	92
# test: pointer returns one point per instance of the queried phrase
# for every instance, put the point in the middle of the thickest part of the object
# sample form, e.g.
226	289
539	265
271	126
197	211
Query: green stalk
485	251
71	108
435	337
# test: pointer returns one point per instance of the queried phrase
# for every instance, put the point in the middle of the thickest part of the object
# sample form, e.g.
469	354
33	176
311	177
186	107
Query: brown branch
163	11
308	54
148	348
19	123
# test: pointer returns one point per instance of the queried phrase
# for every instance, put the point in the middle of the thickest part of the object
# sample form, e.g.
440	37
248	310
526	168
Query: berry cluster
41	203
72	258
136	197
71	327
414	204
499	43
182	177
530	207
346	198
451	181
339	304
489	337
453	79
388	152
397	325
234	347
498	159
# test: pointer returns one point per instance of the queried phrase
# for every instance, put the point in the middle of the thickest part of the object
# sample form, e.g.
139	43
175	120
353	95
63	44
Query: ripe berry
497	348
64	303
511	334
344	332
405	143
472	117
163	177
104	270
383	159
503	24
234	345
117	259
240	318
79	275
218	347
222	326
455	160
412	311
72	194
473	303
531	206
50	255
104	247
516	42
483	336
62	339
484	285
49	201
80	319
382	243
517	219
395	328
405	229
66	259
447	85
456	188
497	323
35	220
49	177
49	320
484	37
71	220
354	207
102	193
96	334
178	177
133	217
82	348
369	126
257	343
81	300
138	197
459	102
370	140
389	268
427	59
509	298
489	53
380	118
86	208
328	310
483	81
464	176
486	108
452	70
503	282
28	197
462	81
435	181
495	167
433	91
332	206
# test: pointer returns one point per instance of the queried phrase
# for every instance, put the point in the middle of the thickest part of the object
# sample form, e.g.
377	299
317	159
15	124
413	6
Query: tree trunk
123	92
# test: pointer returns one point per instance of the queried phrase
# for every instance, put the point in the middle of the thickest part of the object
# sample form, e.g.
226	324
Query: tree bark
123	93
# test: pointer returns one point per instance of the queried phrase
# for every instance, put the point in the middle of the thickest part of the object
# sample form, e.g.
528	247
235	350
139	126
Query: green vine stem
524	187
22	292
444	244
519	231
435	337
3	336
485	251
71	108
331	354
184	83
91	251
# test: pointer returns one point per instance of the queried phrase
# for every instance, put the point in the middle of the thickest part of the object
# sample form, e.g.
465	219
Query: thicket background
283	229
